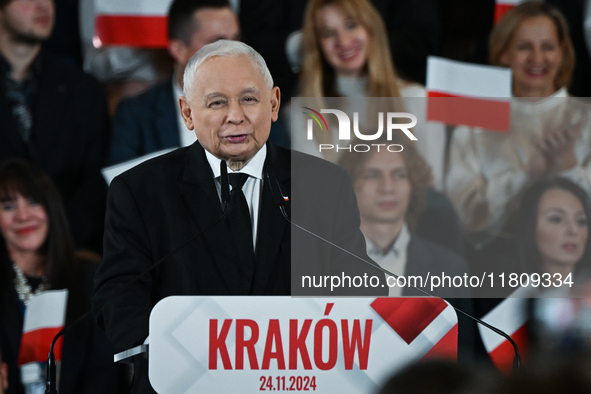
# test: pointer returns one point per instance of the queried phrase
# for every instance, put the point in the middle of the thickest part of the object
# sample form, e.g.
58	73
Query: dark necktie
239	222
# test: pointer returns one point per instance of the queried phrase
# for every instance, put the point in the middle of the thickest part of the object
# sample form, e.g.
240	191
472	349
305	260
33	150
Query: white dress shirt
394	259
251	188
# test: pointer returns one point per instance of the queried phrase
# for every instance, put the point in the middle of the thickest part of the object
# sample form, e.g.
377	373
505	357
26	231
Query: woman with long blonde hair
345	53
345	38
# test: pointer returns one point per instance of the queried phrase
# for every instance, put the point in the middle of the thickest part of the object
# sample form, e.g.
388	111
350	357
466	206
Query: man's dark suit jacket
427	257
159	205
68	141
144	124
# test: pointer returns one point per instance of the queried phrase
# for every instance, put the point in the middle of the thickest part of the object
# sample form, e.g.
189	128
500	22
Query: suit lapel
203	205
272	225
417	263
202	202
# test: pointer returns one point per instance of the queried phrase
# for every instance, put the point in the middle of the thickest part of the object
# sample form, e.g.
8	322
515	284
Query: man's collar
399	246
254	167
6	67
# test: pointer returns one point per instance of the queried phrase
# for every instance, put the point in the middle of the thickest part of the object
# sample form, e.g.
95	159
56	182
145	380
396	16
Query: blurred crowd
458	199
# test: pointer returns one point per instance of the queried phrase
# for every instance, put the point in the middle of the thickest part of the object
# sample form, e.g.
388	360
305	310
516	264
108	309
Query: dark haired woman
552	229
37	254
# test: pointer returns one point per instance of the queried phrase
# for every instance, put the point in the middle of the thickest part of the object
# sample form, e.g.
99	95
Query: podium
230	344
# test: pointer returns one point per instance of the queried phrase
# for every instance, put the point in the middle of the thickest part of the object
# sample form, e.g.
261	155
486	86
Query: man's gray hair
223	48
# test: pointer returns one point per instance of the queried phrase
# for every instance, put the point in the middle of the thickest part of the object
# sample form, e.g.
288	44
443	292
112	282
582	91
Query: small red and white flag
136	23
509	316
502	6
468	94
45	316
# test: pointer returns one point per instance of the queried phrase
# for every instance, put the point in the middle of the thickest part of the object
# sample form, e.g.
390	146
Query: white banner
253	344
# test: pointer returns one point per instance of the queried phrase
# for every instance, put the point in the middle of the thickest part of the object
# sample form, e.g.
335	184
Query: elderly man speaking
165	218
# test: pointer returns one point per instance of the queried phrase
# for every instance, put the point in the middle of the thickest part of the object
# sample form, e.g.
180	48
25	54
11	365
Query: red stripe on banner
131	30
35	345
502	355
492	115
500	10
408	316
447	347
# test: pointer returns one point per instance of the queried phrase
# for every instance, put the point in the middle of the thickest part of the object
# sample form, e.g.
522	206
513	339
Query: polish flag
468	94
45	316
509	316
502	6
136	23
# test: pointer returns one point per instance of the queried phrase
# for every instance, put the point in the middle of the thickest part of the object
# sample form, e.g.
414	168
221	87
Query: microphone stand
281	202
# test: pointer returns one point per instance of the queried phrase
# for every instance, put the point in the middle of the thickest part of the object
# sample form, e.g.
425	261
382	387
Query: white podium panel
283	344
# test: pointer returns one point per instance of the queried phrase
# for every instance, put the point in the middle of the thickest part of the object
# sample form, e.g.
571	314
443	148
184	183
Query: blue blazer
144	124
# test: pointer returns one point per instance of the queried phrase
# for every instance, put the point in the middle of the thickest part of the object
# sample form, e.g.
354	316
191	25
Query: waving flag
137	23
510	316
45	316
468	94
502	6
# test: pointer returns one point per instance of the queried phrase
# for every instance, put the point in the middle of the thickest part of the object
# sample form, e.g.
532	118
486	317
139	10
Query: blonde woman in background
550	132
345	53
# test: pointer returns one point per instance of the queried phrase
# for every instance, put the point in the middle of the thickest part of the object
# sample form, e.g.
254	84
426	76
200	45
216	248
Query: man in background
152	121
391	190
53	115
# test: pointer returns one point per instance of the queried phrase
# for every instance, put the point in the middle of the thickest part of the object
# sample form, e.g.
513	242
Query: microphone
280	199
50	368
50	375
224	183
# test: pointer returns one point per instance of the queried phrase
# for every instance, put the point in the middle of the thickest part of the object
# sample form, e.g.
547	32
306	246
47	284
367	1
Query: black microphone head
50	373
224	182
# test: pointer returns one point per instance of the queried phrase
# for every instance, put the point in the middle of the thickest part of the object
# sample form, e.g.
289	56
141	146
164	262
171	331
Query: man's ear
186	112
275	103
178	50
